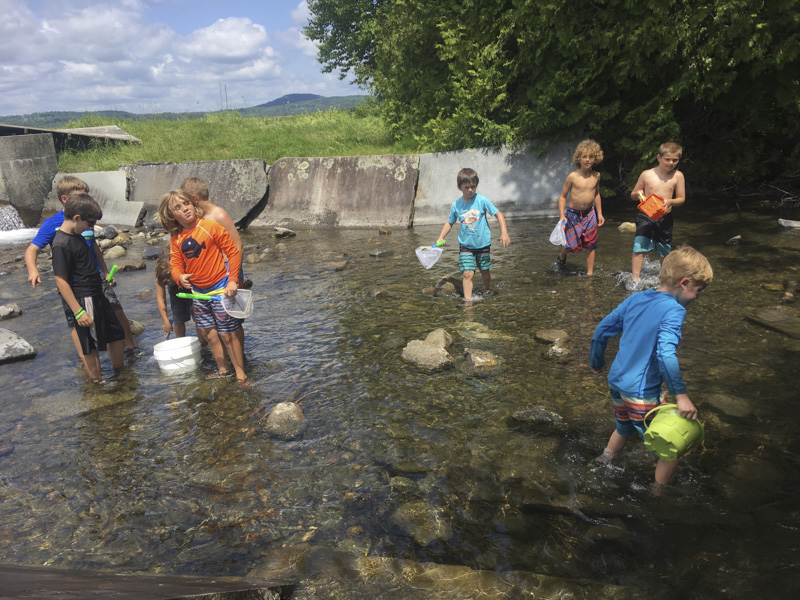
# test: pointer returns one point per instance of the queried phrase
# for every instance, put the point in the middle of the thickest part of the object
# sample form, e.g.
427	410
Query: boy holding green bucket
650	323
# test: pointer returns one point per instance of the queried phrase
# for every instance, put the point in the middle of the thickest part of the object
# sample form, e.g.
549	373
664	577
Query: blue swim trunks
653	234
472	259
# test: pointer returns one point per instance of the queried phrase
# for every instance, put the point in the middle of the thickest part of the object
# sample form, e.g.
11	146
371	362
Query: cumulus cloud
93	55
230	40
301	14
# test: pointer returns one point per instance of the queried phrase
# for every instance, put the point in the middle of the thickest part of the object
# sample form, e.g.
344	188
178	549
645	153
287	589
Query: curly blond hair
589	147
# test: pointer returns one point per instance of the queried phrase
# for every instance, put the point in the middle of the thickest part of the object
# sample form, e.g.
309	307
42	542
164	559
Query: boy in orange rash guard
197	262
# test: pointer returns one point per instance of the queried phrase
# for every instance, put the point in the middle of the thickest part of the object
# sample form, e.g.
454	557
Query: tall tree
720	76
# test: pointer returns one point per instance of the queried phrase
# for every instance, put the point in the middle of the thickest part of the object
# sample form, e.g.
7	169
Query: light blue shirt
473	232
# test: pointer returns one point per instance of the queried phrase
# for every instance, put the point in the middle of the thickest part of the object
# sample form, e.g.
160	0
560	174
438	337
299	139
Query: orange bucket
653	207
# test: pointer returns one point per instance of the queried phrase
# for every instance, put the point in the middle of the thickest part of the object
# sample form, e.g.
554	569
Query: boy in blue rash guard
474	235
650	323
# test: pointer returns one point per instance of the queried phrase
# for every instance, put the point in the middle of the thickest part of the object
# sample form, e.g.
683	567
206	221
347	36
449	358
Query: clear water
175	474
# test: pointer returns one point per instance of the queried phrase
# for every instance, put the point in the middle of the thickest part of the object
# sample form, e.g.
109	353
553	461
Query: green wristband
80	313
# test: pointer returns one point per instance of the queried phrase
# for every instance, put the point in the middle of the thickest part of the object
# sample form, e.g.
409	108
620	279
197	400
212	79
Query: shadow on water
175	474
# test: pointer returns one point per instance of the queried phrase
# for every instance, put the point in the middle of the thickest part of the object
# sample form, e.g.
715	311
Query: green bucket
671	435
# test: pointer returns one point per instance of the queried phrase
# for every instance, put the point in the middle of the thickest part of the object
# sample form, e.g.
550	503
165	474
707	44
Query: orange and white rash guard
198	250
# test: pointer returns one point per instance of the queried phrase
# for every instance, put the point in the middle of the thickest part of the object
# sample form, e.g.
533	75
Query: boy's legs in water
466	282
615	444
235	352
562	259
126	325
217	350
486	278
116	352
590	262
637	260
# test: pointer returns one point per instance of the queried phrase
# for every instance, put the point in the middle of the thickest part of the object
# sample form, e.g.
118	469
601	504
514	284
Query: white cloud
295	38
301	14
227	40
93	55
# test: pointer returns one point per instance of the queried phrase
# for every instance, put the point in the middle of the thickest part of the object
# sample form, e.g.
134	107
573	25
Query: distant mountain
289	99
290	104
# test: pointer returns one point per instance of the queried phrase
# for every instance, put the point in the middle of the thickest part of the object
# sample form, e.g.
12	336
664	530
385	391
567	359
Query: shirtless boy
585	213
667	182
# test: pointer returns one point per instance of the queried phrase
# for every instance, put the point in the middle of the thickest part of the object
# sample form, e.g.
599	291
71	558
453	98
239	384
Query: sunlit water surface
175	474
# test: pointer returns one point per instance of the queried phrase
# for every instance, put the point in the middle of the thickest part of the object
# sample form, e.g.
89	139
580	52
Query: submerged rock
449	285
536	414
119	252
6	446
132	266
729	405
423	522
9	311
136	327
381	253
481	360
13	347
427	355
282	232
779	319
152	252
627	227
286	420
439	337
552	336
109	232
734	241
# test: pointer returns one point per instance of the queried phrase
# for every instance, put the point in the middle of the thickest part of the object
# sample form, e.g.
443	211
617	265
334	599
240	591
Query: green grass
229	135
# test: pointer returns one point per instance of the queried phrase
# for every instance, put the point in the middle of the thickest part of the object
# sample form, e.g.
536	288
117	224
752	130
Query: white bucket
178	355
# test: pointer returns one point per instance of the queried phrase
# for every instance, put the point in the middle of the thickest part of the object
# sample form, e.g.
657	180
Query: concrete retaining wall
110	189
519	184
239	186
348	191
27	166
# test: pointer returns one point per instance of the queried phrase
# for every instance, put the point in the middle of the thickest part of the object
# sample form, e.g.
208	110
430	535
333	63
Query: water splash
648	278
9	219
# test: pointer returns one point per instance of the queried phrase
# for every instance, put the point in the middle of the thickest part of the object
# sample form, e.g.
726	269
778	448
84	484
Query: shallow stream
156	473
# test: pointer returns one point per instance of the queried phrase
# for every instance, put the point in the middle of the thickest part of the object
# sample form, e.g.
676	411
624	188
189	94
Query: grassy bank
224	136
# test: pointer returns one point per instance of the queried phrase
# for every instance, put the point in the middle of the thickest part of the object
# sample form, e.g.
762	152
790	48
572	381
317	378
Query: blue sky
156	55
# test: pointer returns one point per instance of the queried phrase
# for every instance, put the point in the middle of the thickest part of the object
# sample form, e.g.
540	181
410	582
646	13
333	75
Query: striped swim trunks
629	412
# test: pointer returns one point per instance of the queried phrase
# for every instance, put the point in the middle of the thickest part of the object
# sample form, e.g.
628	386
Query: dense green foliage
721	77
284	106
229	135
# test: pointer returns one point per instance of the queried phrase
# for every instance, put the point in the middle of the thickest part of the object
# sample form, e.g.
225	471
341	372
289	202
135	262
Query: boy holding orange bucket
664	185
650	323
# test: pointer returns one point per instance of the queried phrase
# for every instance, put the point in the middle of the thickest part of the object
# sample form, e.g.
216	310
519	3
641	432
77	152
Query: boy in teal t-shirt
474	235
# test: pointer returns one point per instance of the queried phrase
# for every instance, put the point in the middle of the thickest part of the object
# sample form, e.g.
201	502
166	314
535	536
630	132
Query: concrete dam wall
344	191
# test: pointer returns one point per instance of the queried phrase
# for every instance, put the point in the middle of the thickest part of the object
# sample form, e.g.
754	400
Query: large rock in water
13	347
286	420
780	319
428	356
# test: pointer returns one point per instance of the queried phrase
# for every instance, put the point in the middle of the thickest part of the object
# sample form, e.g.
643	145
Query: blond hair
195	186
589	147
685	262
70	184
168	220
670	148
